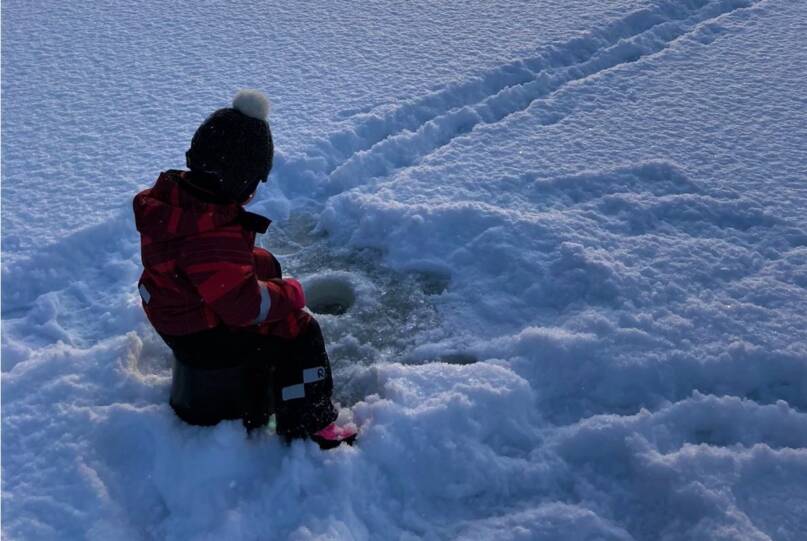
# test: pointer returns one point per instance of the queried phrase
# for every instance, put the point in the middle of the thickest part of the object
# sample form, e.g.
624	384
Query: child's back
201	268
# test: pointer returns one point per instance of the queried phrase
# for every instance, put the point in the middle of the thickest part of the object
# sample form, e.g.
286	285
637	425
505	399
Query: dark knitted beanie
235	145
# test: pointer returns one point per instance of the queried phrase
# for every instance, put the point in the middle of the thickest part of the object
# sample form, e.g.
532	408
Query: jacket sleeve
221	267
266	264
286	296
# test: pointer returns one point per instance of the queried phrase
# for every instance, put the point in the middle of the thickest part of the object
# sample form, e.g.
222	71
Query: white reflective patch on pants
144	294
310	375
293	391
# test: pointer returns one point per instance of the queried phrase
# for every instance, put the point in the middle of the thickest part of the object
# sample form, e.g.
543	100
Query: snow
569	241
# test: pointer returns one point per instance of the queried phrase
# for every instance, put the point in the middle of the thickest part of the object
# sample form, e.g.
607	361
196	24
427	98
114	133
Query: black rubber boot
303	385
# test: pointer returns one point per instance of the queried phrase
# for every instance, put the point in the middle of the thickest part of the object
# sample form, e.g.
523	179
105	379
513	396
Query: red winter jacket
201	267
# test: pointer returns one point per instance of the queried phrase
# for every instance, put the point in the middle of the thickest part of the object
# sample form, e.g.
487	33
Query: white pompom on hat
252	103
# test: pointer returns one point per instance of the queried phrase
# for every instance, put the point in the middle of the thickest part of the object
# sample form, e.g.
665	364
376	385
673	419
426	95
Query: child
237	329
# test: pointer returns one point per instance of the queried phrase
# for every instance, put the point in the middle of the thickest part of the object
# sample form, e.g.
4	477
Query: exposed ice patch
370	314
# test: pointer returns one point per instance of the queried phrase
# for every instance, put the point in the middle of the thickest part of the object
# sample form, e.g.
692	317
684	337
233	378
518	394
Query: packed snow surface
558	251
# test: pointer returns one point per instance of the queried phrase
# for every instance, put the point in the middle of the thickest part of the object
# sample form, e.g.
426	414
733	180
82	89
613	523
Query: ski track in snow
552	436
377	144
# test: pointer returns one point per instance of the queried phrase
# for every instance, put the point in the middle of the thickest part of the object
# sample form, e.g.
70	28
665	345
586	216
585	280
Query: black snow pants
228	374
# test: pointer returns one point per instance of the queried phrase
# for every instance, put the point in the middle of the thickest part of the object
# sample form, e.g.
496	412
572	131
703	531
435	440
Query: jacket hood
167	210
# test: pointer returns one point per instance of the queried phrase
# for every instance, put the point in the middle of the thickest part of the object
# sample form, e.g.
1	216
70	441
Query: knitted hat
235	145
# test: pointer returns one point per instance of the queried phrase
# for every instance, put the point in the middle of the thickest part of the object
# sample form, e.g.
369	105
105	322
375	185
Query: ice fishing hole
432	283
330	295
457	357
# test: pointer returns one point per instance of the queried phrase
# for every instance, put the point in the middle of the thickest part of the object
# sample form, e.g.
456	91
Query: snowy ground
573	235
